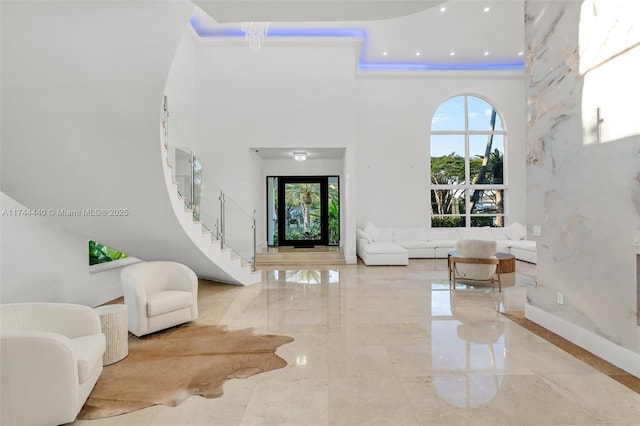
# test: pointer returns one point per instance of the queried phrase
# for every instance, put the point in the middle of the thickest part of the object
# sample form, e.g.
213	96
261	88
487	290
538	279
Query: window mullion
467	164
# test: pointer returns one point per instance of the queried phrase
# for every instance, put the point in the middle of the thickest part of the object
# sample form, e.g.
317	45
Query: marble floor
394	346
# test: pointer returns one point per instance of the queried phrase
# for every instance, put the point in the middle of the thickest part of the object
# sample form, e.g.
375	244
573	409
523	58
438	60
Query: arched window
467	156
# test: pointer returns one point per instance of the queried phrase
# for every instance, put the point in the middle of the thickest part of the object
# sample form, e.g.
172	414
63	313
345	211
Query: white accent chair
476	261
159	295
51	358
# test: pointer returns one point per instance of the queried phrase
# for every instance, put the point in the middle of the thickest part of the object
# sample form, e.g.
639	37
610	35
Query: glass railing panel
171	161
184	175
174	140
195	183
180	159
238	230
196	187
208	196
170	140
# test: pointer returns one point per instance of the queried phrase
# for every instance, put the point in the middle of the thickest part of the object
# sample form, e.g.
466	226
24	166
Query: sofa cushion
499	234
168	301
443	234
384	247
385	234
416	244
371	230
362	234
407	234
523	244
88	350
503	245
515	231
444	243
480	233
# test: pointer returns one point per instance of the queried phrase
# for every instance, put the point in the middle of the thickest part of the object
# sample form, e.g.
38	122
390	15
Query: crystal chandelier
255	33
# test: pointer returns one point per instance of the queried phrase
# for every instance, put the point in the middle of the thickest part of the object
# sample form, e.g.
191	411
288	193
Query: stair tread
307	256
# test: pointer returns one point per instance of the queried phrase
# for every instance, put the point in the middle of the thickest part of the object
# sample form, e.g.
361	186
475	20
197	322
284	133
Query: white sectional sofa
395	246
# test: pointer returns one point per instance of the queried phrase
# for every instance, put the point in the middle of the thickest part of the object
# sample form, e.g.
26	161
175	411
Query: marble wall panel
583	189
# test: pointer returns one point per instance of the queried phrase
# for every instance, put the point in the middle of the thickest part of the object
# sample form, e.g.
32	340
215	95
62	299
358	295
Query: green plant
446	221
334	222
99	253
313	234
483	221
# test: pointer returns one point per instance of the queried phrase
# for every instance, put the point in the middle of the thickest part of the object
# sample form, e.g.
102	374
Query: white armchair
476	260
159	295
50	360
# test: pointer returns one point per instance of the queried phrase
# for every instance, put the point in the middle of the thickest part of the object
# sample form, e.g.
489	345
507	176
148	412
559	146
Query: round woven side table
114	327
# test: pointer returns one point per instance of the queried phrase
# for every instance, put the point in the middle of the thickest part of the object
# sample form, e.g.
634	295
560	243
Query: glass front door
302	205
303	211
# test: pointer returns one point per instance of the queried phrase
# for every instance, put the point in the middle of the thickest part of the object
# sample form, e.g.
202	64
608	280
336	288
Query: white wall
42	262
290	167
181	92
286	95
394	122
290	94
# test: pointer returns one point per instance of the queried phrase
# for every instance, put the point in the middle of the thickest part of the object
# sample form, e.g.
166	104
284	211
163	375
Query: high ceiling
415	34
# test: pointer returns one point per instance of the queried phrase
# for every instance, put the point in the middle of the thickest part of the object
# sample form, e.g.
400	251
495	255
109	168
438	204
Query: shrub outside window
99	253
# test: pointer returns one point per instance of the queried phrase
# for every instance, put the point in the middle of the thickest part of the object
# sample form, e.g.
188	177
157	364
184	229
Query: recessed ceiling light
443	9
486	53
300	156
520	53
384	53
452	54
417	53
486	9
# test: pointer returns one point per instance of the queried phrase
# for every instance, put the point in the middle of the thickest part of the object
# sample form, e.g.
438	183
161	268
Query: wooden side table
507	262
114	327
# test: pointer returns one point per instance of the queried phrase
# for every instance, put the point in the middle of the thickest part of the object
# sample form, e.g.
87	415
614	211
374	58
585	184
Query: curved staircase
82	87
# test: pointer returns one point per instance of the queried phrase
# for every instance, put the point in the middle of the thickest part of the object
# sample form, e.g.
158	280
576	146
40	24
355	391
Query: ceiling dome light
486	53
384	53
417	53
299	156
452	54
486	9
443	9
520	53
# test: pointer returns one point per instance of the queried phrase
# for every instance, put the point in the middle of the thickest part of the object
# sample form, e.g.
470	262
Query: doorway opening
303	211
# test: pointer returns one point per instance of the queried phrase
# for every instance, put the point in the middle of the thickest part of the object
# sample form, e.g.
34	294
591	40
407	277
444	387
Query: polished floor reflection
394	346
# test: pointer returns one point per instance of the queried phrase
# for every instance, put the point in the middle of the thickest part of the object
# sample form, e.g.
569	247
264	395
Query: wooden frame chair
474	261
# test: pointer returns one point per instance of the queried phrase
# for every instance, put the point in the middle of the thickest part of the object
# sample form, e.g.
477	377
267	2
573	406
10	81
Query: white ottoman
384	253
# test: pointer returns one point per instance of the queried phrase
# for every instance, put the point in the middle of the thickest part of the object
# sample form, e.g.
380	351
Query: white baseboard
621	357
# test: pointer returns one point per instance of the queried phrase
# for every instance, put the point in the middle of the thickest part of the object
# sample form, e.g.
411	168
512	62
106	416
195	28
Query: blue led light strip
362	63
